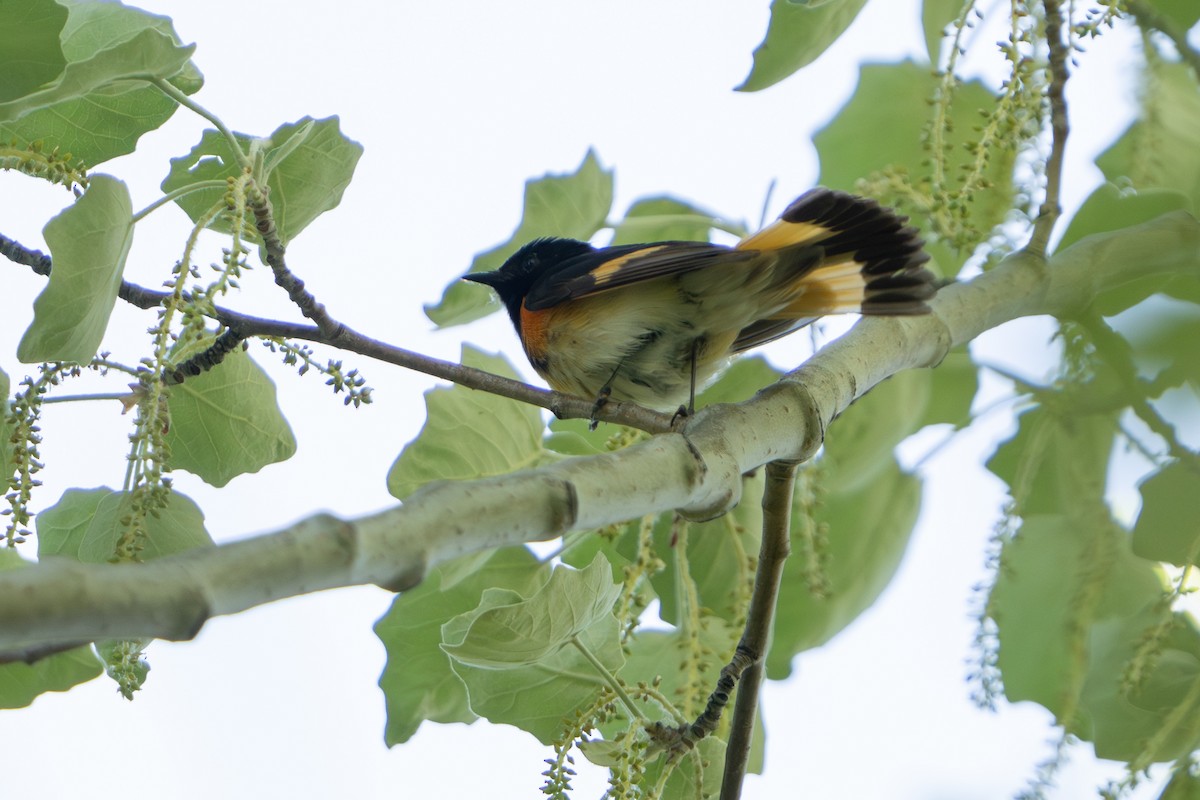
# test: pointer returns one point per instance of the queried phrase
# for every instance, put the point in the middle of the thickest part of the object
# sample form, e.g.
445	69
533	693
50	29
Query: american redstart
650	322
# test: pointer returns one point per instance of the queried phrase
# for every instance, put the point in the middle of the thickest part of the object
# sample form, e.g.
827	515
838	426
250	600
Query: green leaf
1051	456
539	698
30	51
1162	336
1159	150
664	219
502	634
859	445
657	655
895	98
744	379
307	176
573	206
147	54
469	434
106	122
1166	528
523	660
697	776
796	36
226	422
868	531
936	17
719	556
417	681
89	242
87	524
20	684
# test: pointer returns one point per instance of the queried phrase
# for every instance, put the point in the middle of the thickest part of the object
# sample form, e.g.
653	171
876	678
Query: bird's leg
684	412
602	397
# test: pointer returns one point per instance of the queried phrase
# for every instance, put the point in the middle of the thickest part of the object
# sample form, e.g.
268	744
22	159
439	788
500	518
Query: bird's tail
871	263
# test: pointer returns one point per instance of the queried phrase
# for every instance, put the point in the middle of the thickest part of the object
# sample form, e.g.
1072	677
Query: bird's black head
525	267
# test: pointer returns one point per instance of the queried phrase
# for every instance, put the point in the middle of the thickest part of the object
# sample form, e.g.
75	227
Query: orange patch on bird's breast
534	333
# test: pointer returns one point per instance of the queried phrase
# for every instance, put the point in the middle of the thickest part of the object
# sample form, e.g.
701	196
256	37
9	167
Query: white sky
457	104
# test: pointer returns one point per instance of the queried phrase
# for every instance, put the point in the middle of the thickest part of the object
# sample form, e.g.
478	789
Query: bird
649	323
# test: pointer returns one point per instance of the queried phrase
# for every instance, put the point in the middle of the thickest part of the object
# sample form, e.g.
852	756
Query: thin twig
244	326
772	554
1051	209
744	671
259	202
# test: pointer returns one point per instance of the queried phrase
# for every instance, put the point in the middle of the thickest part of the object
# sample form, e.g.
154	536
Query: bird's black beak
492	279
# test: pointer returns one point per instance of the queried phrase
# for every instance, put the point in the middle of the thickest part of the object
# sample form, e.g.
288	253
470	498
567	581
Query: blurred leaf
936	17
502	634
1167	245
1181	13
1182	786
1166	528
6	428
952	389
744	379
30	52
796	36
86	524
573	206
868	531
1038	602
895	98
226	422
1162	334
1159	150
20	684
1110	209
89	242
307	177
469	434
417	681
1051	456
1126	724
858	446
664	219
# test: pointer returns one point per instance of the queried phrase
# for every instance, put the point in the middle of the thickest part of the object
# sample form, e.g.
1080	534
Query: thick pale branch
58	602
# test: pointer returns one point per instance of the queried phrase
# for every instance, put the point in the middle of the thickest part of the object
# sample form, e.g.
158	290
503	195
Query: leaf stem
83	397
177	193
179	97
611	680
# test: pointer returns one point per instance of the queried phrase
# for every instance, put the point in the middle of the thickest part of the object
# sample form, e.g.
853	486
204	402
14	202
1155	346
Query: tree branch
760	620
244	326
1051	208
57	601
